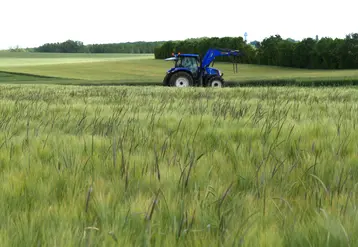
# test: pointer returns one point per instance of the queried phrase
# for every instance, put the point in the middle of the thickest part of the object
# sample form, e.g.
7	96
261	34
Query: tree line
201	45
72	46
324	53
309	53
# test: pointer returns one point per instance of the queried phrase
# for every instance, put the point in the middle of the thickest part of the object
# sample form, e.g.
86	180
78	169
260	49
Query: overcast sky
30	23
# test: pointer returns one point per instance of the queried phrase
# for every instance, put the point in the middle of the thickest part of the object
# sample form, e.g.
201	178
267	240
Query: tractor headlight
220	74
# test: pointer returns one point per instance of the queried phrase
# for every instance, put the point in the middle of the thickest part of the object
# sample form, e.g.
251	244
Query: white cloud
32	23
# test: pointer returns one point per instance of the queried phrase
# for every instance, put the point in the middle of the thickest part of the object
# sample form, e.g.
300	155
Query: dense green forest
201	45
71	46
324	53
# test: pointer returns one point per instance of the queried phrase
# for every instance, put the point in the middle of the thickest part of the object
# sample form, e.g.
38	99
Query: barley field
154	166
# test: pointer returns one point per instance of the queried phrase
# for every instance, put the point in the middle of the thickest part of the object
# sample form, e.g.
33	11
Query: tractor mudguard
180	69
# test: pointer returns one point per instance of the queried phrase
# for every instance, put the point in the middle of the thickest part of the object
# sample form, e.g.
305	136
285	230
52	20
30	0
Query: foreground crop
107	166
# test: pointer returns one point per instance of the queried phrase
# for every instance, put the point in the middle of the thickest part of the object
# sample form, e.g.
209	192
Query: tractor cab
188	61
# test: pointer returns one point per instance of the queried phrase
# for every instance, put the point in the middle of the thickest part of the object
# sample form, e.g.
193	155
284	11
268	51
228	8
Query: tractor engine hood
213	71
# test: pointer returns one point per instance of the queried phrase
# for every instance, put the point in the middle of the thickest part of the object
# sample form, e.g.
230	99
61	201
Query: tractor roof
171	59
188	55
175	56
184	55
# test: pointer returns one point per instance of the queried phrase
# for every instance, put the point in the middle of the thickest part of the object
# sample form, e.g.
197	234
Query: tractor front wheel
216	82
181	79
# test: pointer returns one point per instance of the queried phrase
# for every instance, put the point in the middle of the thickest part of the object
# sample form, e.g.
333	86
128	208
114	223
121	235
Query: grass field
129	68
154	166
146	166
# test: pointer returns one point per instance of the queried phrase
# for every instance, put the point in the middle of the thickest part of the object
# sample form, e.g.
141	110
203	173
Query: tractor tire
165	80
216	82
181	79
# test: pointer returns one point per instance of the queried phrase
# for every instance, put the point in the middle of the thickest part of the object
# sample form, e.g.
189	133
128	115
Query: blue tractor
190	70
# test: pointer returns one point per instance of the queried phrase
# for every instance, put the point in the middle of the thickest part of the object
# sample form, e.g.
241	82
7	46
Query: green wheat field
158	166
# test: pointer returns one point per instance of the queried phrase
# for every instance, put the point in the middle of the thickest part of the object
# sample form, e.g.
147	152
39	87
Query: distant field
129	68
19	59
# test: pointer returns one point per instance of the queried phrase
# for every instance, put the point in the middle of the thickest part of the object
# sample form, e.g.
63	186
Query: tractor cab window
187	62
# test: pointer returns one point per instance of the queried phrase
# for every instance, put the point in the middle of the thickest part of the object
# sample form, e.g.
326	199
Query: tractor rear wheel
216	82
181	79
